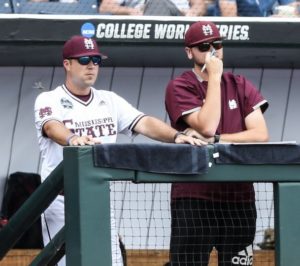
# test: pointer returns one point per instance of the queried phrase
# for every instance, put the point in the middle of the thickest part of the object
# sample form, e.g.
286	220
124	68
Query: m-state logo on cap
207	30
89	44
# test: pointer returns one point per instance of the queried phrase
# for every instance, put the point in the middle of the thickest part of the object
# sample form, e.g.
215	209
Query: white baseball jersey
103	116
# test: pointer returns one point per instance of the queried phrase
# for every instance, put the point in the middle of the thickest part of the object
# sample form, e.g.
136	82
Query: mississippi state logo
89	45
46	111
207	30
232	104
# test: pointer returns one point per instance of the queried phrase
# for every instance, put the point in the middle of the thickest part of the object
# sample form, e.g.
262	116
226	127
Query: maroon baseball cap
201	31
79	46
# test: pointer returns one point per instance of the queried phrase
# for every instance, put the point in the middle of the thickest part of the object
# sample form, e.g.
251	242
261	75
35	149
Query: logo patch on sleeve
47	111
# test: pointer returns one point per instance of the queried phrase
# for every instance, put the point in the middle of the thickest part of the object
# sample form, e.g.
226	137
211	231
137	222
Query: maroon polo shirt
239	97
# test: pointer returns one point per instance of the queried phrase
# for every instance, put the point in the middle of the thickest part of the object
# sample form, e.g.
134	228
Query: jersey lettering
95	131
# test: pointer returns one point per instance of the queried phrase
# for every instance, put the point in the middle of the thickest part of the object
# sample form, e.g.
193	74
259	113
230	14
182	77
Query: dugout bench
87	171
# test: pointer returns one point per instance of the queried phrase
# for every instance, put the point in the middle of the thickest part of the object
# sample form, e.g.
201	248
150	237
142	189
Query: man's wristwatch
216	138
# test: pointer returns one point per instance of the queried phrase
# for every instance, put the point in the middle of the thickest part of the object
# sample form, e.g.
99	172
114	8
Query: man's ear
66	63
189	52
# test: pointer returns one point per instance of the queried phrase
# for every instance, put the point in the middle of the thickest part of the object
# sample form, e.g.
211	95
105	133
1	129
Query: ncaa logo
88	30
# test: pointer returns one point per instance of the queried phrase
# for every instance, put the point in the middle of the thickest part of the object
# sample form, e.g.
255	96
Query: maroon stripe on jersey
83	99
135	121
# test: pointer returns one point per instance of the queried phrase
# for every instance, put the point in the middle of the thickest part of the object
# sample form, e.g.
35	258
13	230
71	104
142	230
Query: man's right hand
214	65
83	140
193	133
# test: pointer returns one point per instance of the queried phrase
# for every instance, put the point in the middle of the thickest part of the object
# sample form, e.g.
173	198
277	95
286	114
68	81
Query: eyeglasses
205	46
85	60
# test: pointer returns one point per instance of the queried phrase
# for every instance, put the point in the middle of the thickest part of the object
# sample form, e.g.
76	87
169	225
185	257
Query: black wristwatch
216	138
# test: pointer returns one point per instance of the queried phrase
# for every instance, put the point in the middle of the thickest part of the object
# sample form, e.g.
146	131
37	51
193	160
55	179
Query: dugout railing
29	212
87	172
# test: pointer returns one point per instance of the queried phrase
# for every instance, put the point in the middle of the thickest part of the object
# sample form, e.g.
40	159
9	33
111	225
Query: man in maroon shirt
216	107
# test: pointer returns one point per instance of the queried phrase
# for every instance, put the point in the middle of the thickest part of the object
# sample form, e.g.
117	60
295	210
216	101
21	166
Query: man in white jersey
75	113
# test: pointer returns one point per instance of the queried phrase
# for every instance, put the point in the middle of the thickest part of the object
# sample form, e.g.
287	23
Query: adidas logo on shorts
244	257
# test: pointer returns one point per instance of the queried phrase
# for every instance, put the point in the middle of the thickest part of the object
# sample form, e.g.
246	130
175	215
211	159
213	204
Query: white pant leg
54	219
117	259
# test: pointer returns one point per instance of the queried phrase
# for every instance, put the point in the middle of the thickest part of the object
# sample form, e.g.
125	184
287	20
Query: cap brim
103	56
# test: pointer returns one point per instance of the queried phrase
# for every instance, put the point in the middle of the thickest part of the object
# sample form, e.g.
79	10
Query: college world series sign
156	31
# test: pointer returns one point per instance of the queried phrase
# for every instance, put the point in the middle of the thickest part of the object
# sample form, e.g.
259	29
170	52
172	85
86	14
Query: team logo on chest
66	103
232	104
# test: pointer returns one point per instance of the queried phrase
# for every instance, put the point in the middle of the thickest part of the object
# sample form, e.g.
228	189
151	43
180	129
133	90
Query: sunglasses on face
85	60
205	46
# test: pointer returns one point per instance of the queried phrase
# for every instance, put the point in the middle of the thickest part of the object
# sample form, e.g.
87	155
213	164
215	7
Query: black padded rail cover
154	158
258	154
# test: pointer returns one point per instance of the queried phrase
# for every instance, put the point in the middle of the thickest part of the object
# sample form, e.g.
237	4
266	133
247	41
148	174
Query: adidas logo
244	257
